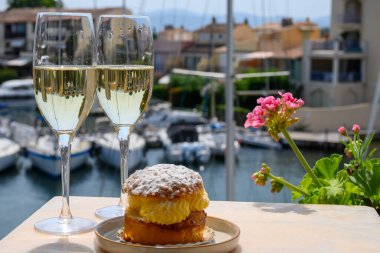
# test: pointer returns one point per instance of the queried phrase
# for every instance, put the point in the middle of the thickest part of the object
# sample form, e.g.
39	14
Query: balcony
343	78
321	76
348	49
349	18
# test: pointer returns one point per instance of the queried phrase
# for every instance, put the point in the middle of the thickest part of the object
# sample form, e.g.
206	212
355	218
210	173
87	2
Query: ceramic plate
226	238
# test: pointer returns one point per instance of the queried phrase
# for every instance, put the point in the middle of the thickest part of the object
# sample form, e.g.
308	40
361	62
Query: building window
321	70
350	71
15	30
352	12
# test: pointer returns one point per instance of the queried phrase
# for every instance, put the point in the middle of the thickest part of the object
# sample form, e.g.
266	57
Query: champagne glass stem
64	141
123	134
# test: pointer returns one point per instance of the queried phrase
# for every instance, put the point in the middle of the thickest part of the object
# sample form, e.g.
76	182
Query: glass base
109	212
59	226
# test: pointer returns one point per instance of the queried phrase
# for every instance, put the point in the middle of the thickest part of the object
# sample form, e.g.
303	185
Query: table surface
265	227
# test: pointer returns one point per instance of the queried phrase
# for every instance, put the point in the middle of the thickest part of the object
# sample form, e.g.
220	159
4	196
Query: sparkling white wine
124	91
64	94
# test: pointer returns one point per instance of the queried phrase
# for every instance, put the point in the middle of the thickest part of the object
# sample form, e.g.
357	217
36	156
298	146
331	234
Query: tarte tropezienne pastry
166	206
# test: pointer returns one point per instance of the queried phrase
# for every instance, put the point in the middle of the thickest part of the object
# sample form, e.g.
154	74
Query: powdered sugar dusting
164	180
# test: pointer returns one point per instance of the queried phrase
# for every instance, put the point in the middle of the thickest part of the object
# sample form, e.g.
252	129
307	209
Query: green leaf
374	181
327	167
335	189
305	185
351	188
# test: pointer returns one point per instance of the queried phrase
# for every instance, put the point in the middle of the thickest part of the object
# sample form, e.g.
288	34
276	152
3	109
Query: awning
17	62
257	55
17	42
164	80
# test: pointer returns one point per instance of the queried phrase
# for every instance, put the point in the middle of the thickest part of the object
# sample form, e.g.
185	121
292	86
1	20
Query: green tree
33	3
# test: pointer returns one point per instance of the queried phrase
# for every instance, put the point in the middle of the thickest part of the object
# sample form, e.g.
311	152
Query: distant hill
193	21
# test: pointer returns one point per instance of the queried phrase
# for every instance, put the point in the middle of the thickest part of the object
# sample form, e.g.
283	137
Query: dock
317	139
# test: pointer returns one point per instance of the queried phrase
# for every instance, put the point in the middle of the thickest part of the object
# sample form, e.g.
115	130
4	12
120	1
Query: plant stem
300	157
287	184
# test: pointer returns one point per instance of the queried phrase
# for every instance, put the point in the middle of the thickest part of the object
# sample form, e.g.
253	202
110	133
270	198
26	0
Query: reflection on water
23	191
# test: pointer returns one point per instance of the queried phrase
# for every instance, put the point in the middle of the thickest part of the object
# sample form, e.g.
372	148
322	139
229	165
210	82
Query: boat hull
110	151
8	153
51	164
187	153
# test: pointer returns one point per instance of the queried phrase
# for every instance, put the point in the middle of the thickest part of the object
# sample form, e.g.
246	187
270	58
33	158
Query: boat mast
229	114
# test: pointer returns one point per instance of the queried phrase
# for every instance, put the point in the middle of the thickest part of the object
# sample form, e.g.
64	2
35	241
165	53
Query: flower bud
356	128
348	152
254	176
342	130
276	186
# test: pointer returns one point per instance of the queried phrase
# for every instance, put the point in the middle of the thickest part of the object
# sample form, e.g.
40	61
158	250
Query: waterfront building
168	47
17	32
198	56
208	51
279	46
343	70
245	42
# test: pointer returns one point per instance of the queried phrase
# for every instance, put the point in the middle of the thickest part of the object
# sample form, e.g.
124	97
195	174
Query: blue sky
294	8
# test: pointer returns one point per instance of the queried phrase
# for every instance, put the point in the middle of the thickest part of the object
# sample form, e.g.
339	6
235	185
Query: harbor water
24	189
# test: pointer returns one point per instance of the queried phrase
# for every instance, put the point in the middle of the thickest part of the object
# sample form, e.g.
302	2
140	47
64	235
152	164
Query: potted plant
329	181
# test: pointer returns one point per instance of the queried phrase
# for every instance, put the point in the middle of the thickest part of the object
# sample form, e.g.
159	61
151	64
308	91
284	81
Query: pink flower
255	118
274	113
249	120
287	96
290	101
258	111
356	128
300	102
269	103
342	130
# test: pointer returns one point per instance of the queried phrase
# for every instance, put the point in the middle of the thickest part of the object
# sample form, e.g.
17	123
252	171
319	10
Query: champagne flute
125	76
64	87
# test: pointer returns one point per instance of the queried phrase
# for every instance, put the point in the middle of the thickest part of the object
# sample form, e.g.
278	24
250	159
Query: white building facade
344	70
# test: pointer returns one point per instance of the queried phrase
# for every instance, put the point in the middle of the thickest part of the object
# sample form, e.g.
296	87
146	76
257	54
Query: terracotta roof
161	46
178	34
201	49
277	27
18	15
217	28
269	26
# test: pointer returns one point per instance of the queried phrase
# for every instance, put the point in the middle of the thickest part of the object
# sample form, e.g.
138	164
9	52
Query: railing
322	45
326	76
350	77
349	18
348	46
321	76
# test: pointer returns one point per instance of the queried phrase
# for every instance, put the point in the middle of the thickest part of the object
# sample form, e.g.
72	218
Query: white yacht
214	136
257	139
16	92
182	145
45	154
8	153
110	150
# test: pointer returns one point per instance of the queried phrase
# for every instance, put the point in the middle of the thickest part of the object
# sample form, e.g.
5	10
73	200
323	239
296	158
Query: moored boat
17	93
182	145
45	154
8	153
110	150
